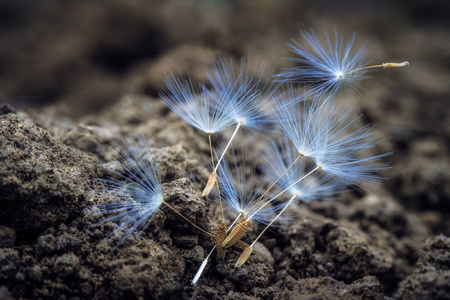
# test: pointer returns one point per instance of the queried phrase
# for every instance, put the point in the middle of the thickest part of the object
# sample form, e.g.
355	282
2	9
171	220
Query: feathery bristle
253	85
201	109
282	156
333	138
241	191
326	68
137	194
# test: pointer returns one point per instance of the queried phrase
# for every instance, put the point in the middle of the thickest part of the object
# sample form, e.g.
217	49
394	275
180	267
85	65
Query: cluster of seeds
319	152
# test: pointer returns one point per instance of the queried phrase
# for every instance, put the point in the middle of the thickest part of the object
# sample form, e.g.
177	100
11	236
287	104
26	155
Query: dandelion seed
330	67
239	196
333	142
247	108
255	77
137	191
340	150
201	109
206	111
332	138
300	122
326	68
231	101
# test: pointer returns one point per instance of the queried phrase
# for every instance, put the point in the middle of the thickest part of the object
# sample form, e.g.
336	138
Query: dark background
84	55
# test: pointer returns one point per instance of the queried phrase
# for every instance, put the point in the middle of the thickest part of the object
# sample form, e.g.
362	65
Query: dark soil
75	77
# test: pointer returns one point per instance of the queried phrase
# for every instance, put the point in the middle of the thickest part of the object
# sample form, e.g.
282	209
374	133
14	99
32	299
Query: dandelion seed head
327	67
251	89
298	121
202	109
136	191
333	139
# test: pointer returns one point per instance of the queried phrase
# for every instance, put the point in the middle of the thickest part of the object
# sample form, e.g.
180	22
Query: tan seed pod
244	256
241	244
395	65
210	185
236	234
221	234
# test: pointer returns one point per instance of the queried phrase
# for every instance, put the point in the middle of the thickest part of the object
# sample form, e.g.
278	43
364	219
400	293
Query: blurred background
72	59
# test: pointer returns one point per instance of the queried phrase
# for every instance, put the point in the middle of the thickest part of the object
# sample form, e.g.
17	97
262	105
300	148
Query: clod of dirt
7	237
42	181
431	279
4	293
329	288
319	246
187	199
422	182
9	261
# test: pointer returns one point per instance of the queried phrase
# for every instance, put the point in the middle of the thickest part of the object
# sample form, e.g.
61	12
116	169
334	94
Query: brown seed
236	234
221	234
241	244
396	65
210	185
244	256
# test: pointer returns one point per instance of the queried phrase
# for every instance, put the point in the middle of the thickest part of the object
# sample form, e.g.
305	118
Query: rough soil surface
391	242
